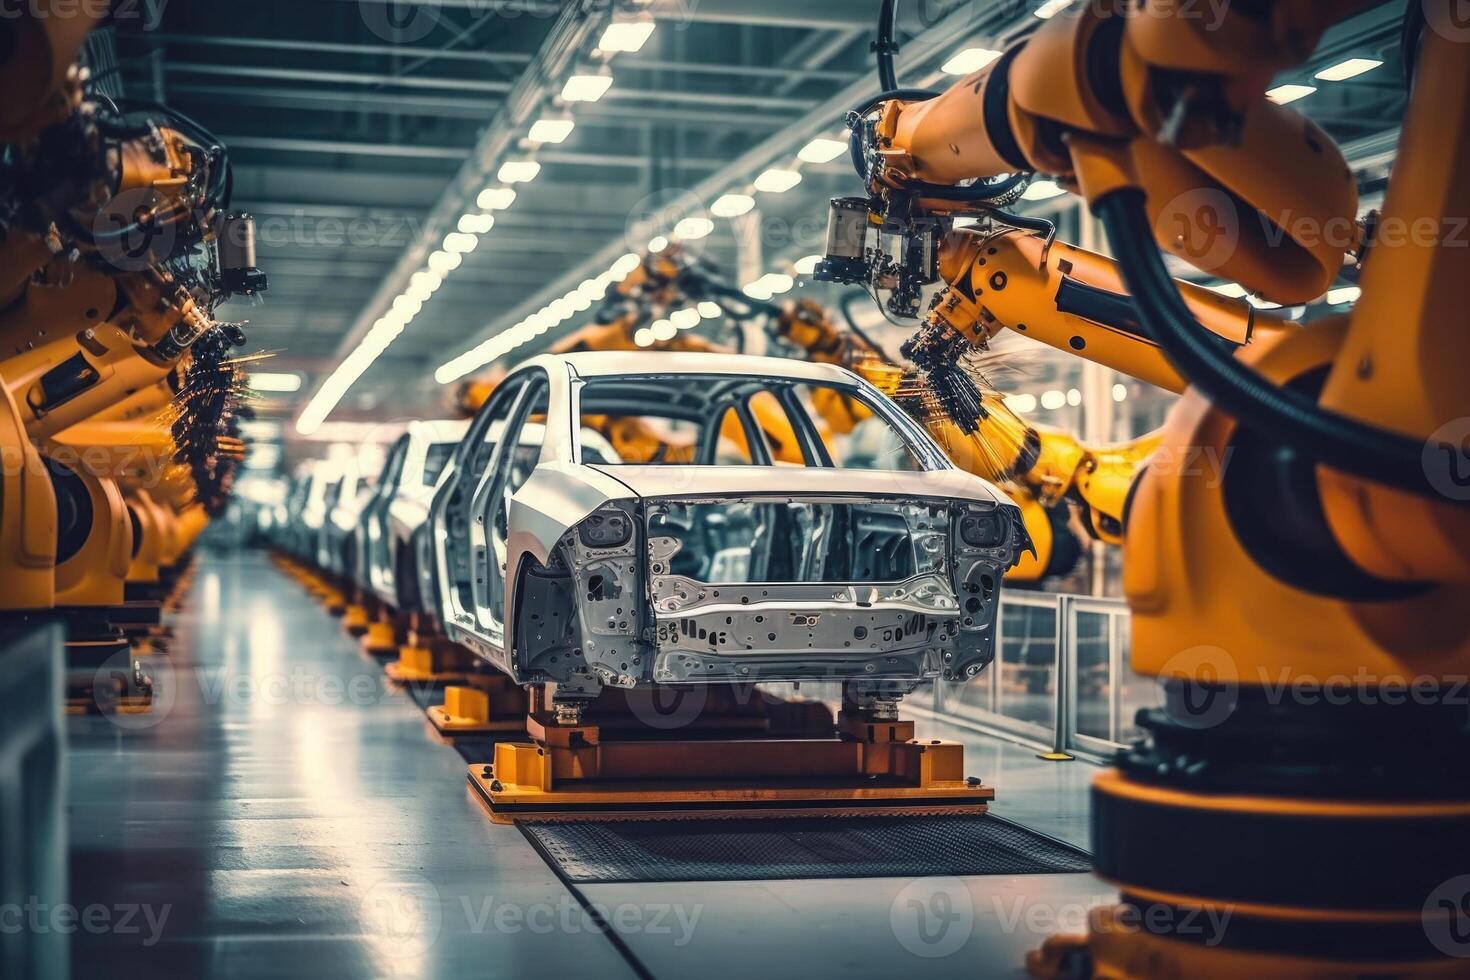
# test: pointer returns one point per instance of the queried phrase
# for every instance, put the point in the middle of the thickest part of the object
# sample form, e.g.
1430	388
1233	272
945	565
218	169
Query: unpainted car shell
398	509
635	633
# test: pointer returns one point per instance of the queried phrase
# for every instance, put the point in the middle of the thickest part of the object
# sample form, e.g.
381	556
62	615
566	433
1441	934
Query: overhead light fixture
807	264
1052	7
460	242
969	61
496	198
444	262
586	88
1074	397
625	265
275	382
779	282
420	288
777	180
643	337
1343	294
551	129
822	150
1043	190
1021	403
709	310
476	224
684	319
626	35
519	171
407	306
1351	68
732	206
1053	399
1282	94
693	228
759	289
1120	392
657	244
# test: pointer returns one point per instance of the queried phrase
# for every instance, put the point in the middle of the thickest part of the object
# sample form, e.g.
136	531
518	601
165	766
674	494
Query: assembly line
714	628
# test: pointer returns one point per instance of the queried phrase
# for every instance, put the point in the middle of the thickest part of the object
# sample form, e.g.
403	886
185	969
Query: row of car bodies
740	544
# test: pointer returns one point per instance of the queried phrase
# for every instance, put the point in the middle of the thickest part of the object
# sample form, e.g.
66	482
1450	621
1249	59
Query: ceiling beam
809	14
616	94
416	151
460	107
364	49
990	22
575	28
340	77
516	58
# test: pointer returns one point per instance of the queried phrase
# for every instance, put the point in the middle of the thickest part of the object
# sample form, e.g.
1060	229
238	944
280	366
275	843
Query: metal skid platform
860	765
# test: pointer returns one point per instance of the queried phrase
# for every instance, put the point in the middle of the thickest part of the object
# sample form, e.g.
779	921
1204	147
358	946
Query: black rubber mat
750	850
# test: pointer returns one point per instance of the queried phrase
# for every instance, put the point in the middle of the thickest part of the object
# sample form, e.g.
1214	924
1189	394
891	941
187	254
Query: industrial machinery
116	244
1043	468
1336	543
575	572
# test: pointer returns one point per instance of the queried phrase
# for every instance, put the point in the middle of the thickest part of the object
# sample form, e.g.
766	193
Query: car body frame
398	508
573	570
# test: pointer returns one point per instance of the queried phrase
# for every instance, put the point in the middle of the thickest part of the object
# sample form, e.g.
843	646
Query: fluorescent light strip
274	381
624	34
551	130
1052	7
732	205
969	61
1282	94
1351	68
586	88
822	150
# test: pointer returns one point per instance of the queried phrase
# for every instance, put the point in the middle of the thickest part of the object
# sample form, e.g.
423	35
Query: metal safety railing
1061	677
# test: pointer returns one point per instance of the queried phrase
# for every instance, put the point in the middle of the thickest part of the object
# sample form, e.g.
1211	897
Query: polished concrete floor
283	812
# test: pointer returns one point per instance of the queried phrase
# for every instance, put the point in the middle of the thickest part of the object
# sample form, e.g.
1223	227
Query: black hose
1409	36
885	47
845	305
1294	420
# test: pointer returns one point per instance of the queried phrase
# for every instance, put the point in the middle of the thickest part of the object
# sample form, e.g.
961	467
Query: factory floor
284	813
